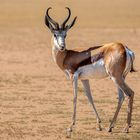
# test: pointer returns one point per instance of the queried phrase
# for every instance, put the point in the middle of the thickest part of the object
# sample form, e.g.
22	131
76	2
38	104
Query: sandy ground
35	97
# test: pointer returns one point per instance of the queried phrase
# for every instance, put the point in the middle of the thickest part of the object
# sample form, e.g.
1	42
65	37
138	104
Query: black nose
62	47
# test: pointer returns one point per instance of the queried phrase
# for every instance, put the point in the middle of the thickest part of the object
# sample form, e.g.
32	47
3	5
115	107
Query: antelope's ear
71	24
48	24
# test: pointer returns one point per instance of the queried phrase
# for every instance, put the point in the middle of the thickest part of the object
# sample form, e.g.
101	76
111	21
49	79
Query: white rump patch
129	56
94	70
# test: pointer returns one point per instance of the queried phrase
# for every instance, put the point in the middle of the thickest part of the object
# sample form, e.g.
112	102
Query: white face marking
96	70
59	39
56	43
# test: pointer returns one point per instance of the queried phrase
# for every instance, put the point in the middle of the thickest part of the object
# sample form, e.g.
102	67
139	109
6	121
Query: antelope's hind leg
130	94
90	99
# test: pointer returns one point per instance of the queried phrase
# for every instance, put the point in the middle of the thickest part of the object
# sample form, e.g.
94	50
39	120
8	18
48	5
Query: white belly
95	70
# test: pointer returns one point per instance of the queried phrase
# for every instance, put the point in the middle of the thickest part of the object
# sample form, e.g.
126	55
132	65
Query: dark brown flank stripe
74	59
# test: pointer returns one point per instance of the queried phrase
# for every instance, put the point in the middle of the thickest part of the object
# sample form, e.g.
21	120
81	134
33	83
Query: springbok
112	60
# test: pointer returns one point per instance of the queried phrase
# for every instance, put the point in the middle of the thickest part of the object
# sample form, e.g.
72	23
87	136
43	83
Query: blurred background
35	97
91	13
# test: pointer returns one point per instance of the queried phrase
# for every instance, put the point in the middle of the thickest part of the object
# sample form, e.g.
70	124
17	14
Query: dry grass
35	97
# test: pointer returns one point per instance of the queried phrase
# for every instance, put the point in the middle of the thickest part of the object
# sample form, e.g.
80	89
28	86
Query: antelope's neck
58	56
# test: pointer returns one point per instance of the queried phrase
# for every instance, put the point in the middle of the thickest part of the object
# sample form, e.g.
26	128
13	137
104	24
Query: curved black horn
51	20
65	21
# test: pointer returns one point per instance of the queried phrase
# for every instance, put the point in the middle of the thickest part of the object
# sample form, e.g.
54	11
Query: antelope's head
59	31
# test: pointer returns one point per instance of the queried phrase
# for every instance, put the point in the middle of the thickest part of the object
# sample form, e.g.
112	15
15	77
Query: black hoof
110	129
130	125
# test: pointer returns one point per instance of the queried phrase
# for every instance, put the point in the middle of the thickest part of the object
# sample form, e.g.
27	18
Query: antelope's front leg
75	83
91	101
